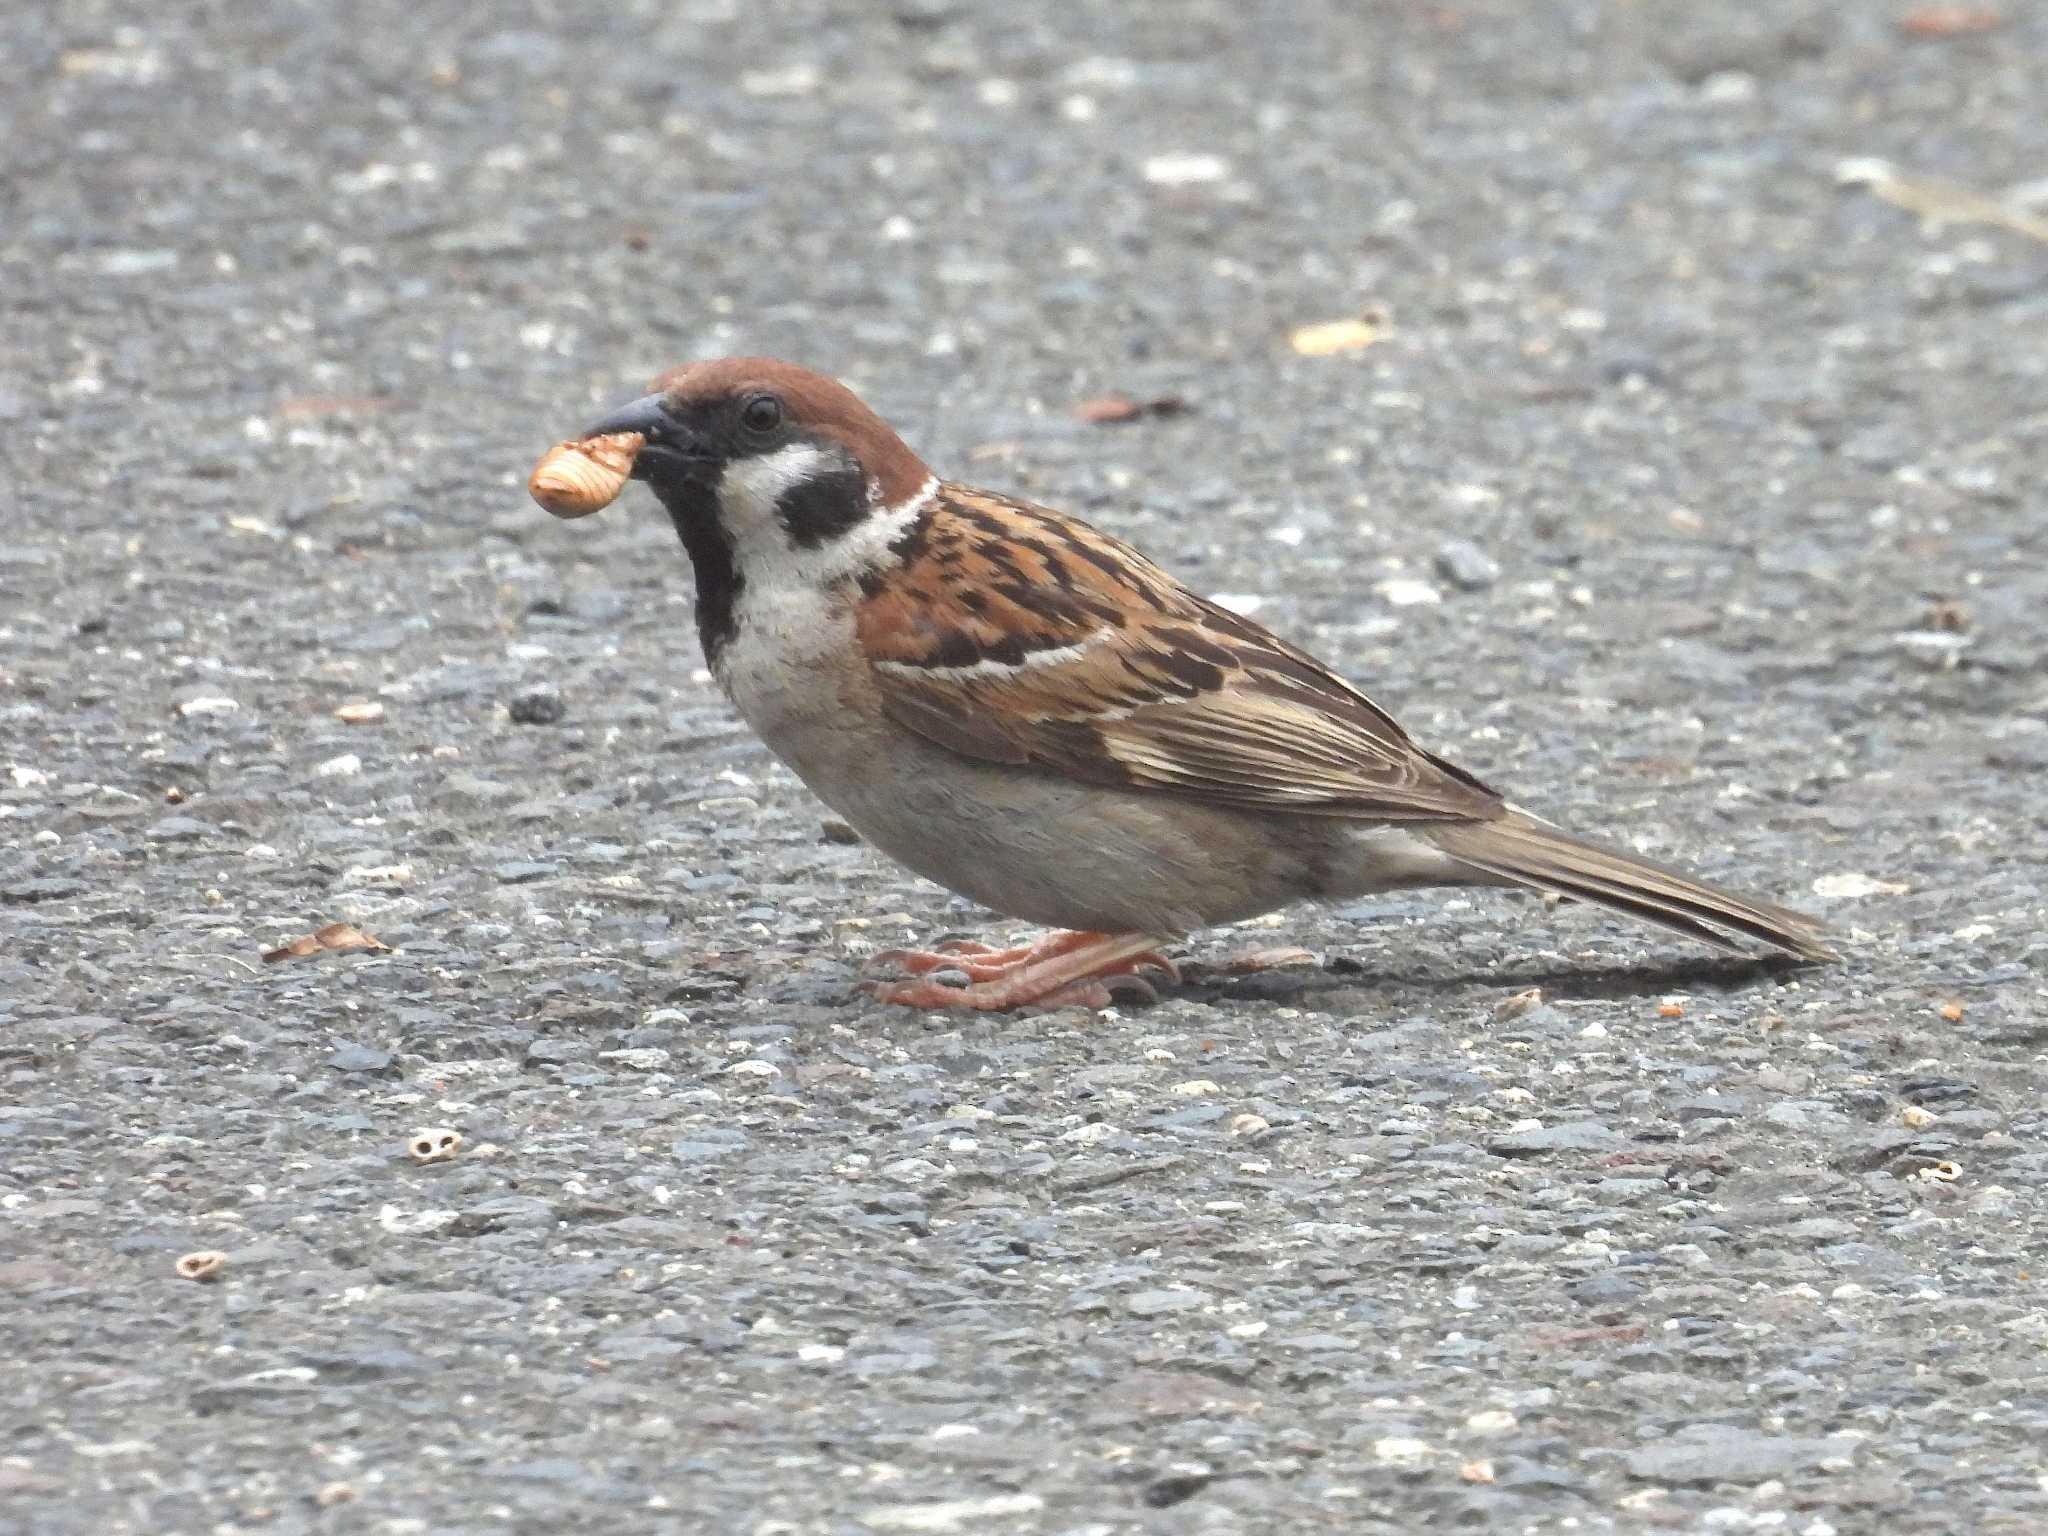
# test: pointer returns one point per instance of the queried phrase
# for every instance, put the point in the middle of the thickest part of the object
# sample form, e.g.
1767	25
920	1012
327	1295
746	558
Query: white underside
794	614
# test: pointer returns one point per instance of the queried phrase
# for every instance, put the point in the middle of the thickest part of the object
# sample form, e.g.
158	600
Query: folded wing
1017	636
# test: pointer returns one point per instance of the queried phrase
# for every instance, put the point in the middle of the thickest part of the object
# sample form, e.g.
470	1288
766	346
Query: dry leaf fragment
1515	1004
360	712
1947	616
1939	202
1619	1333
1110	410
1281	957
1332	336
1105	410
333	936
313	407
204	1265
1938	21
579	478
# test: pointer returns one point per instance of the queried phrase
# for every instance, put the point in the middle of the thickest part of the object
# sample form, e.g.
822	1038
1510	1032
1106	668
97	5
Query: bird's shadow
1573	981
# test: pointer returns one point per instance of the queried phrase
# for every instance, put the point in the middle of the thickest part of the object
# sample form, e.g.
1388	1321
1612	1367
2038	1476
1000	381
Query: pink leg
1063	968
979	962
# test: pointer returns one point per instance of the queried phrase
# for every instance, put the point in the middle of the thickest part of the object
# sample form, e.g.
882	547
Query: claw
923	993
1131	990
1157	964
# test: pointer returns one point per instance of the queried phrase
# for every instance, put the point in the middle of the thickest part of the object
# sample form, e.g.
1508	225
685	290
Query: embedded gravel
1688	487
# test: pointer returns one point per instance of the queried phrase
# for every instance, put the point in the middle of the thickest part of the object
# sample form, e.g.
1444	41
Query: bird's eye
761	415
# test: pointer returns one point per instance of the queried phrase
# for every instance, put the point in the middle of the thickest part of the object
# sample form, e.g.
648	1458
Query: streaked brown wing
1014	635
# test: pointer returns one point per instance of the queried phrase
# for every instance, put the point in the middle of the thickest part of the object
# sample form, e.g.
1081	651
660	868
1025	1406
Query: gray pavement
1692	489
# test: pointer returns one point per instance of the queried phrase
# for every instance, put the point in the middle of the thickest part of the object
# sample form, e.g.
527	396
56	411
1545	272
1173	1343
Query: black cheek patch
823	507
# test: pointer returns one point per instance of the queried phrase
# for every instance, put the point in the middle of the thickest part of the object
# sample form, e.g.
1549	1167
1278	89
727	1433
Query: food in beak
586	476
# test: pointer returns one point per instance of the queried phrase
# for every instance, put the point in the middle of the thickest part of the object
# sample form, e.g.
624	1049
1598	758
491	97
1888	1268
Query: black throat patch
693	508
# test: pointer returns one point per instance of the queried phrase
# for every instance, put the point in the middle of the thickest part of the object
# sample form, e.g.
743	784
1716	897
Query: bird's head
766	457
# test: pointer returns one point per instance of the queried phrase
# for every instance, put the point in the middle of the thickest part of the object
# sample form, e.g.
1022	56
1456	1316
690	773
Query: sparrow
1034	715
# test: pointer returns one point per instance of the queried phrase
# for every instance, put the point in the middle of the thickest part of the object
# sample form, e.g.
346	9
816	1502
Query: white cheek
794	618
750	489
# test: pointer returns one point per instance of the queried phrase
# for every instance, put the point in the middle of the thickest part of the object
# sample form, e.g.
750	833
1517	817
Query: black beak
672	451
647	416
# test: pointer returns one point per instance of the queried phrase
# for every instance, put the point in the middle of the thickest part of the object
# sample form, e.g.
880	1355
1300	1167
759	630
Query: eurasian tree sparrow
1036	716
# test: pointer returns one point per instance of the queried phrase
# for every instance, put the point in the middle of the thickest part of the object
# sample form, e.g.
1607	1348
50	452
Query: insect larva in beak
579	478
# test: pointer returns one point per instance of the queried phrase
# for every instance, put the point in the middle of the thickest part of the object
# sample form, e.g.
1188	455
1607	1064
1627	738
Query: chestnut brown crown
787	403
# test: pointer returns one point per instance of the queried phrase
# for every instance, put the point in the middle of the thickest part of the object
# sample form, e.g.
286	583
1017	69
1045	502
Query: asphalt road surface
1690	487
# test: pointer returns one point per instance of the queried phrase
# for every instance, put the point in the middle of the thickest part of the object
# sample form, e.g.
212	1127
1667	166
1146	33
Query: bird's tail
1518	849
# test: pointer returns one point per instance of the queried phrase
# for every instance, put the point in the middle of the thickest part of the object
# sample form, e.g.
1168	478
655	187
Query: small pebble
1407	592
522	871
1185	170
540	704
1466	566
1159	1302
1402	1450
359	1058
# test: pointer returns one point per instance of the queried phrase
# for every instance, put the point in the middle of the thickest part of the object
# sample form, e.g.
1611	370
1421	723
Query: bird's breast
787	661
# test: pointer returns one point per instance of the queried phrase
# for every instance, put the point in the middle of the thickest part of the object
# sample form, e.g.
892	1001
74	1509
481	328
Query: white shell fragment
579	478
204	1265
433	1144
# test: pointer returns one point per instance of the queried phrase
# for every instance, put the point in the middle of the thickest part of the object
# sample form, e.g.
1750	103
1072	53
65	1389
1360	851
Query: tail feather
1522	850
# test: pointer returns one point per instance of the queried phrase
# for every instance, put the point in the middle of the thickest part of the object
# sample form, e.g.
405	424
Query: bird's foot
977	962
1063	969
